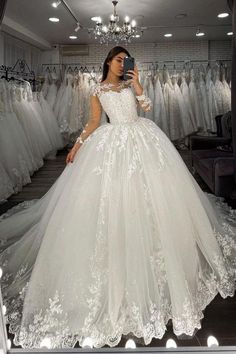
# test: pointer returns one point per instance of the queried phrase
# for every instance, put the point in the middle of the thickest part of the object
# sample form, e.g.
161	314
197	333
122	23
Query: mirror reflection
117	170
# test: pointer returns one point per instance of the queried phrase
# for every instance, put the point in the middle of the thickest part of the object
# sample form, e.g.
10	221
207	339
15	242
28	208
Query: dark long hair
113	52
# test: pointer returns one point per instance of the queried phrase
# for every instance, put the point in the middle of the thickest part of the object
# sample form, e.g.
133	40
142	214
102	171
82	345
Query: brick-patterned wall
220	50
195	50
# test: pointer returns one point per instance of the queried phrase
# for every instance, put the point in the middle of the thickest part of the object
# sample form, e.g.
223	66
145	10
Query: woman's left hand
134	77
135	81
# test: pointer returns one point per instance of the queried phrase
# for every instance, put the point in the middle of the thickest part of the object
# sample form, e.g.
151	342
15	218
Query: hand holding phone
128	65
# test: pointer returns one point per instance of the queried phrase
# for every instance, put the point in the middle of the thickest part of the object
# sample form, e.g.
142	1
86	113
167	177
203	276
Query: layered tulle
124	241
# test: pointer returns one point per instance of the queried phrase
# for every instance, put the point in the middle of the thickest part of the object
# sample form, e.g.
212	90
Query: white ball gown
124	241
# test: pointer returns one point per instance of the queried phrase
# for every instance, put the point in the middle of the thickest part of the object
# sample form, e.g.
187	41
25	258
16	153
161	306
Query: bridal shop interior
51	58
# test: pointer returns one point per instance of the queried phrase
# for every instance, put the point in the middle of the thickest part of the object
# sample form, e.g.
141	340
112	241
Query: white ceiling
33	15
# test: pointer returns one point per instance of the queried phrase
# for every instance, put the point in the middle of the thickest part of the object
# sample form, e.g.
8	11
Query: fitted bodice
118	102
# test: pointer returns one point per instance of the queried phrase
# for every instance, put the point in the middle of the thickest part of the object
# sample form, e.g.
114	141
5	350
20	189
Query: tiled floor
219	317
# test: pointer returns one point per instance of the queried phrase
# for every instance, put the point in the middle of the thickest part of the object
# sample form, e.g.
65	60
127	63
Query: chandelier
114	31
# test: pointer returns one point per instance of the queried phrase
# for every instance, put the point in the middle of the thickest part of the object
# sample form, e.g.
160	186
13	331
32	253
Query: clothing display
184	103
125	239
28	134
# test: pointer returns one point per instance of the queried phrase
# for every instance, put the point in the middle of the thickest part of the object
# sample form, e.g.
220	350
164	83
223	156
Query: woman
124	241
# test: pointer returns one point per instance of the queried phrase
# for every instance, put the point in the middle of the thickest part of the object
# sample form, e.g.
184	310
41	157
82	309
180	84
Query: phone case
128	65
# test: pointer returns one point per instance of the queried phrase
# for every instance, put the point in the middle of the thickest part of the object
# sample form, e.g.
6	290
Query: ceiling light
73	37
230	33
171	343
55	4
114	31
179	16
46	343
223	15
127	19
130	344
199	33
212	342
96	19
87	343
168	35
8	344
77	27
54	19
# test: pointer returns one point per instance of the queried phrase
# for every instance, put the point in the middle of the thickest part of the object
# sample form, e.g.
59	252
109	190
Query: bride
124	241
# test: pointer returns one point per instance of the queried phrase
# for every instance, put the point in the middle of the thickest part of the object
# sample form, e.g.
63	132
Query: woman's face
116	64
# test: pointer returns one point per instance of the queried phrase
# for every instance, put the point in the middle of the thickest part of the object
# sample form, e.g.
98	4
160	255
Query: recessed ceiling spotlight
223	15
55	4
96	19
137	35
73	37
171	343
179	16
212	342
168	35
130	344
54	19
200	33
230	33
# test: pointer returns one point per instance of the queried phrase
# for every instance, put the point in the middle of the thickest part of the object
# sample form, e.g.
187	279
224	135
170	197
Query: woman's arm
93	123
144	101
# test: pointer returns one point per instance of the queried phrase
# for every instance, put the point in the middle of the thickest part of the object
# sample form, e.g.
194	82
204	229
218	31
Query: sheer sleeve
144	102
95	115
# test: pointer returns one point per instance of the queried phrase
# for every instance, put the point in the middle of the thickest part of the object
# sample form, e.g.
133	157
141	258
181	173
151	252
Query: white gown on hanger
212	100
7	186
172	108
123	241
202	95
159	109
52	91
13	146
194	101
190	122
226	94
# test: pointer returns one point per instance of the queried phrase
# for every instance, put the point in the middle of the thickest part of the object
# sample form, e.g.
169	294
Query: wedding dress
122	242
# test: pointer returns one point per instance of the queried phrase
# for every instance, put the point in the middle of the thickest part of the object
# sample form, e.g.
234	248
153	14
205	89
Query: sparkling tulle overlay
124	241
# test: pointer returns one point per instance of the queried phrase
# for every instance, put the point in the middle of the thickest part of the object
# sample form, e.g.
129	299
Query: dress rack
19	72
79	66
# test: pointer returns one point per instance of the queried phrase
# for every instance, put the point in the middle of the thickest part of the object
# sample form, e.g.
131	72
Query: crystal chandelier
115	32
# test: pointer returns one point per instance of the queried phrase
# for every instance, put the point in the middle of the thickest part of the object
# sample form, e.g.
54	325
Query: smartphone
128	65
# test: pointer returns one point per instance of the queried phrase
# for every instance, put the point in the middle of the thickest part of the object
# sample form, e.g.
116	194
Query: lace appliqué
145	102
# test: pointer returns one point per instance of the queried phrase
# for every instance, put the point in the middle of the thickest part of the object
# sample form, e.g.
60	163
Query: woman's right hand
72	153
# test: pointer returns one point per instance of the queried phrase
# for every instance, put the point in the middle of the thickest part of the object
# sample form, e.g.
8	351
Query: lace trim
53	323
100	88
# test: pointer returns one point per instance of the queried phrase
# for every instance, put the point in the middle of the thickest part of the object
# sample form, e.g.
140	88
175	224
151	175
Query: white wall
12	49
195	50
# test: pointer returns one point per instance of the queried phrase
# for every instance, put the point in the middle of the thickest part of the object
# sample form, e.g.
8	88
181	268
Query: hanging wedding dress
7	187
52	91
159	109
13	149
190	123
50	122
65	106
123	241
226	94
194	101
172	108
212	100
219	89
202	95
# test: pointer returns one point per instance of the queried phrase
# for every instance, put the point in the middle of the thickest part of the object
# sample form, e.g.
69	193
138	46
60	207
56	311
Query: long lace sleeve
144	102
95	116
